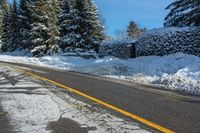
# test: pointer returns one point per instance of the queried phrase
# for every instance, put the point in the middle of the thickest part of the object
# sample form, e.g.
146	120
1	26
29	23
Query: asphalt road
171	110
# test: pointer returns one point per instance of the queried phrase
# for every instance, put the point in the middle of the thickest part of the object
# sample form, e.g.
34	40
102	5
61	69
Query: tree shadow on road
10	79
19	83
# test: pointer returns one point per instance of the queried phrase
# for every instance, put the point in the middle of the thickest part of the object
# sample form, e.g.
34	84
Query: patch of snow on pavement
177	71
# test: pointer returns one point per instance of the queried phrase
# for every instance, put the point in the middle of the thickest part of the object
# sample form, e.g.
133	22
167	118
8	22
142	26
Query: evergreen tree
94	31
53	7
183	13
1	26
65	23
80	26
25	19
71	25
133	30
4	4
5	29
11	34
42	36
3	8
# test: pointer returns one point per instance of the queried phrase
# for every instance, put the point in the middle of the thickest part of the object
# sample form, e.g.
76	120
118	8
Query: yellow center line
131	115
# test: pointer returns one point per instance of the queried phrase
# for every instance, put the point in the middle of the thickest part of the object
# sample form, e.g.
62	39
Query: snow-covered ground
177	71
34	106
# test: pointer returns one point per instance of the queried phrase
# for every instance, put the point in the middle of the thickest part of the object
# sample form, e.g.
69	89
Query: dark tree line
48	27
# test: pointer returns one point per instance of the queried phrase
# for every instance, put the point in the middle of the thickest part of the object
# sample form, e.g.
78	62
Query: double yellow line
131	115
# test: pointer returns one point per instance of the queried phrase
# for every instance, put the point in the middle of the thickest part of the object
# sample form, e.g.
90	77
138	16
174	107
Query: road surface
170	110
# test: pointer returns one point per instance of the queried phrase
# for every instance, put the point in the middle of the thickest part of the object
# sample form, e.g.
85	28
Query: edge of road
139	86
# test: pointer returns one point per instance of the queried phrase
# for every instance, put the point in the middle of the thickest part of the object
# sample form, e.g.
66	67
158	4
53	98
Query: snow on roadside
22	99
177	71
33	107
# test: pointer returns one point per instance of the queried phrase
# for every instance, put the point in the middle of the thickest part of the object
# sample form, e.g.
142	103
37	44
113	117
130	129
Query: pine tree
1	26
80	26
71	25
133	30
183	13
42	35
65	23
25	20
4	4
53	7
3	8
11	34
94	32
5	29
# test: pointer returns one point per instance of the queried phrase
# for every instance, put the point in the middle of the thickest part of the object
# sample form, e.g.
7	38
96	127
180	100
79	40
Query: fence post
133	50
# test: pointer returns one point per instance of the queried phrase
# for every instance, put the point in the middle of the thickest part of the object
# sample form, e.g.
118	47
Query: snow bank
177	71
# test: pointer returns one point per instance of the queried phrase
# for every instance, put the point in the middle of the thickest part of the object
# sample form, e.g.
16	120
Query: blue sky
118	13
146	13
